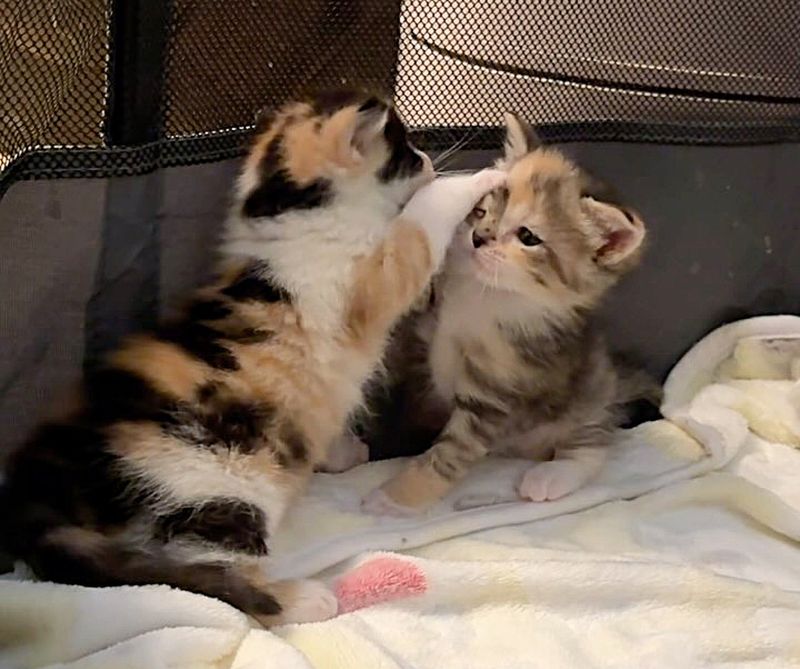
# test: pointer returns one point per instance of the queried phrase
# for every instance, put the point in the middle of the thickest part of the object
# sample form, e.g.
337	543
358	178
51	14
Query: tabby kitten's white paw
553	480
378	503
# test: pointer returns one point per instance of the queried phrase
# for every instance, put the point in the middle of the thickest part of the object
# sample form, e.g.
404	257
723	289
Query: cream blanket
683	554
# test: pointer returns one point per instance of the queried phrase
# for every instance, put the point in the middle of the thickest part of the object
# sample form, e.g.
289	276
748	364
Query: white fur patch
189	475
442	205
553	480
312	601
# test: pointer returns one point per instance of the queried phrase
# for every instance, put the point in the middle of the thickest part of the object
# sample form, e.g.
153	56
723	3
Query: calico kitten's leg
300	601
345	452
389	281
572	467
429	477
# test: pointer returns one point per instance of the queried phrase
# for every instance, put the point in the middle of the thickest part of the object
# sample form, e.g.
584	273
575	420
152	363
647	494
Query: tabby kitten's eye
479	212
527	237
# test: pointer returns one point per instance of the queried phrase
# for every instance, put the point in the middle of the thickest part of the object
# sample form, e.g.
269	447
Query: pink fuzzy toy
383	579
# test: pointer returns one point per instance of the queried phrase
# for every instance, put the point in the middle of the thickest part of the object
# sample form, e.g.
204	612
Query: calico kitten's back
191	442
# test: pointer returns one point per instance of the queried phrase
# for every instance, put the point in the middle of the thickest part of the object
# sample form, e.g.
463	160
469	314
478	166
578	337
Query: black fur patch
292	447
231	425
65	476
254	283
403	161
277	193
208	310
202	342
118	395
232	523
207	391
239	425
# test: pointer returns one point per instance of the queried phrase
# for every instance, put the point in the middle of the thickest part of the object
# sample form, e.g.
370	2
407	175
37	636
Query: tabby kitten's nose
477	240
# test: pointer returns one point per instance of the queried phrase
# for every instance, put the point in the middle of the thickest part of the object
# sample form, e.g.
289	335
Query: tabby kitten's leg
572	467
465	440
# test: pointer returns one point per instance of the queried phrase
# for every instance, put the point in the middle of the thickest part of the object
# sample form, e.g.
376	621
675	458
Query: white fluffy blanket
683	553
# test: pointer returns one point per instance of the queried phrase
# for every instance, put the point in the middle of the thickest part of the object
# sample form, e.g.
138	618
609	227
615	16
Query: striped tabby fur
515	363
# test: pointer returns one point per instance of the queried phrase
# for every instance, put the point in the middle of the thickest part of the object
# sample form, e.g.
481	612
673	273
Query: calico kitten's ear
620	233
368	124
521	138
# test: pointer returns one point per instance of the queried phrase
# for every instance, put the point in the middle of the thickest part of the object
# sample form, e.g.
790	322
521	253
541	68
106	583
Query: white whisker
447	153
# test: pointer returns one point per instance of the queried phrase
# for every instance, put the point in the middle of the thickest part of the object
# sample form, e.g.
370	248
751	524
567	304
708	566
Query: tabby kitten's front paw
552	480
378	503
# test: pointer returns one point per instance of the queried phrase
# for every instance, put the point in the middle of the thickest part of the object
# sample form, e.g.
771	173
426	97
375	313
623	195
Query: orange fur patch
388	282
164	365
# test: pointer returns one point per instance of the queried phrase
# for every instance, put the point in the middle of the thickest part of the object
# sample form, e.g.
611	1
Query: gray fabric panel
160	232
193	211
49	246
125	297
724	239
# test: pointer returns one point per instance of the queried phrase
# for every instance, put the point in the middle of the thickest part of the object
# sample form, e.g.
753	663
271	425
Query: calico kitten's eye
527	237
479	212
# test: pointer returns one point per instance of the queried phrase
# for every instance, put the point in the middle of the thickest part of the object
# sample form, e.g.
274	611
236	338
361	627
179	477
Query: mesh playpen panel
97	88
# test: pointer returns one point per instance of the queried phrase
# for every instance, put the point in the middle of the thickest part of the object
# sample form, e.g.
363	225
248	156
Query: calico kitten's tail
79	556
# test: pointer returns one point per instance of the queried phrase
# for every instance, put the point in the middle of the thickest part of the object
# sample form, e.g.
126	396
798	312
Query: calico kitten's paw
551	480
346	452
378	503
310	602
439	207
487	180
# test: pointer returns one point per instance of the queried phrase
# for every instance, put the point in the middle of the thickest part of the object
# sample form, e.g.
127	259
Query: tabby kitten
191	442
515	361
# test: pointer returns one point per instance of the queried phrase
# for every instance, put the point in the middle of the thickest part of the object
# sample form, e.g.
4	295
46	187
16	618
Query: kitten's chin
485	266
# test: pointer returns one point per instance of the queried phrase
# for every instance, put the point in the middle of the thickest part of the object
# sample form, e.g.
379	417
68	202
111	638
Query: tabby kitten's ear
521	138
618	233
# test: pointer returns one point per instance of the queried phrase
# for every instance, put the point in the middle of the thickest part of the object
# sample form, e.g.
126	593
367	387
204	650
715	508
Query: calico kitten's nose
477	240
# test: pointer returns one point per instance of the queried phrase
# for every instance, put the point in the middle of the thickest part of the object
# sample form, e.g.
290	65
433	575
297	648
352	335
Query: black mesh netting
92	87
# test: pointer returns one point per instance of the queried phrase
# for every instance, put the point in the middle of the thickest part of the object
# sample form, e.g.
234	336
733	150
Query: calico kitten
516	364
190	443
